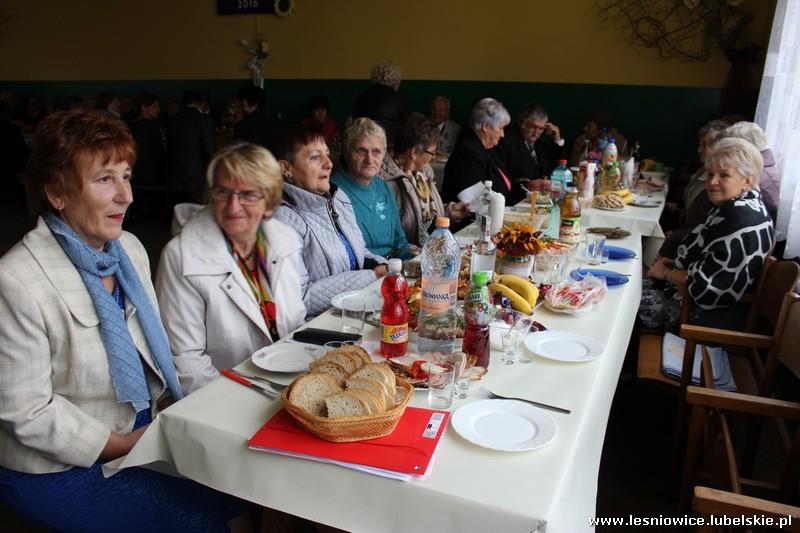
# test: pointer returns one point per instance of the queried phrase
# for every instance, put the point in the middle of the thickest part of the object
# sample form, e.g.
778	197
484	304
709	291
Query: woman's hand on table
119	444
459	210
380	271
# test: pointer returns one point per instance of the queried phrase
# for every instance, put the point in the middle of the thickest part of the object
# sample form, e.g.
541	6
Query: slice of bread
336	371
359	352
310	391
374	386
374	402
345	404
379	371
350	364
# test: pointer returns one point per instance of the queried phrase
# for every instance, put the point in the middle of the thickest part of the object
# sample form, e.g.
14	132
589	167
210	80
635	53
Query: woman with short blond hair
721	258
373	202
230	282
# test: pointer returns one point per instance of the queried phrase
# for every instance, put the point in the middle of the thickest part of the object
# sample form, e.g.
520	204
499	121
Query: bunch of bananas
520	292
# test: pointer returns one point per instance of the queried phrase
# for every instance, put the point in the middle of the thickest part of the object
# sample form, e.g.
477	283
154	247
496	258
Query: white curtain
778	112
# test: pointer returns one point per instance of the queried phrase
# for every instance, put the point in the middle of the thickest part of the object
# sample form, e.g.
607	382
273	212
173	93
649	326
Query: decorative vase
518	266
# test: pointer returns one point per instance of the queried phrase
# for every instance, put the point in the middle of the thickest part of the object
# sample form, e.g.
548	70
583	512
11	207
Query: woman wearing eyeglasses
407	171
230	282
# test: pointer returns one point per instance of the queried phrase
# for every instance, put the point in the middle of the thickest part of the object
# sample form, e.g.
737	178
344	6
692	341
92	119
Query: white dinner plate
646	203
602	208
504	425
372	300
563	346
287	356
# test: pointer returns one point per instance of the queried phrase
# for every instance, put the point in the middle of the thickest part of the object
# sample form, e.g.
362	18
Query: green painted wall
663	119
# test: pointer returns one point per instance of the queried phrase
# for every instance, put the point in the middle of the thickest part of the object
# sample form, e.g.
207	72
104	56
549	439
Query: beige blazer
212	317
57	402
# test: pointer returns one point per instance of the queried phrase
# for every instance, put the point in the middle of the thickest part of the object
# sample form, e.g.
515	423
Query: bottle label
570	230
394	333
438	295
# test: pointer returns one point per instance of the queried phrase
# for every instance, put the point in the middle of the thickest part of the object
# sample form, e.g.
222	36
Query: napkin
672	362
472	195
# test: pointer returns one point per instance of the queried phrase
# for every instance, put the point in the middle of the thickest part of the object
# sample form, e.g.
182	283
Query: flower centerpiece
258	53
516	246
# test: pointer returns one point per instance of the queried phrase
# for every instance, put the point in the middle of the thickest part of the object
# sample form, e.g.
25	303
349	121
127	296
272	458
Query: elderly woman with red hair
86	362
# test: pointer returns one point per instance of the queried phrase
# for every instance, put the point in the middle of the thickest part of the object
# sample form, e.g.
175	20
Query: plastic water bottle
441	259
394	313
559	179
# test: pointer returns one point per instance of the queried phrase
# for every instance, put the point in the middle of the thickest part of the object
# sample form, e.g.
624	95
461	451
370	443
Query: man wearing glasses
531	148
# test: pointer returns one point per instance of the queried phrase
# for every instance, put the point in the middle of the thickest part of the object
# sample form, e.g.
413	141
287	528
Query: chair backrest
787	351
776	279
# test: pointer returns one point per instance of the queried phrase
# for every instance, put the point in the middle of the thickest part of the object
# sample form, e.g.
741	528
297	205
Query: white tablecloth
470	488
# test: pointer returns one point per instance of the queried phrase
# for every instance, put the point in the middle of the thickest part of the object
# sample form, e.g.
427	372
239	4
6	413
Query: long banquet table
553	488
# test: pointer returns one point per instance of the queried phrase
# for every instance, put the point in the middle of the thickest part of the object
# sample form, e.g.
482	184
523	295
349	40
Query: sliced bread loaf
374	402
375	387
379	371
336	371
358	352
310	391
345	404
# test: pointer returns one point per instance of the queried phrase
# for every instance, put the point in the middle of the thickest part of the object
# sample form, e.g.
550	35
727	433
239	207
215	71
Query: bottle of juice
477	317
441	259
570	230
394	313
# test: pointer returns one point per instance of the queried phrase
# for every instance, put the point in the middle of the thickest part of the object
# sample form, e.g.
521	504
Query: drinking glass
556	266
595	245
510	340
441	385
353	311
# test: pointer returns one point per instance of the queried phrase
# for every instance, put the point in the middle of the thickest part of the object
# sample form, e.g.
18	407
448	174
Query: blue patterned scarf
124	362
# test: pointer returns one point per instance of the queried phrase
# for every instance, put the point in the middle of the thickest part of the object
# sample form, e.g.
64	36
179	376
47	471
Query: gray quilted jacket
326	266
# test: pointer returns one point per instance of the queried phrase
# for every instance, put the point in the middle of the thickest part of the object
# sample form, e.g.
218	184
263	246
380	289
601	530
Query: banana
517	302
522	286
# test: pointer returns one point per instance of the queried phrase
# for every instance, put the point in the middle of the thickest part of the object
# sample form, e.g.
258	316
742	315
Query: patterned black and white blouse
724	254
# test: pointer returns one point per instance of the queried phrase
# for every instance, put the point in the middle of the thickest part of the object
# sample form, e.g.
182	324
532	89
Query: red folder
405	454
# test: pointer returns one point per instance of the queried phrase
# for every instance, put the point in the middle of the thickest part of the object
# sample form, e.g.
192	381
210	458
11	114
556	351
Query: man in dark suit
190	147
531	148
257	126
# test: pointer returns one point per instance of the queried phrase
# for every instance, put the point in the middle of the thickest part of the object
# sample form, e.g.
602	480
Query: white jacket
211	316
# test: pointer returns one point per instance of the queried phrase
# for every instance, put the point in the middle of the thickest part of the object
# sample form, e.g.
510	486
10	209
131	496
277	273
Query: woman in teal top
373	202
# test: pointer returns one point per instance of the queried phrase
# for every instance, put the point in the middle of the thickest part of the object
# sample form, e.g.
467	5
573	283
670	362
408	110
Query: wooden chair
720	503
776	280
710	445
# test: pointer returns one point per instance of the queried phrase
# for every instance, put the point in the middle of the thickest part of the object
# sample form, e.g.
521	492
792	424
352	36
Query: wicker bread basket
352	428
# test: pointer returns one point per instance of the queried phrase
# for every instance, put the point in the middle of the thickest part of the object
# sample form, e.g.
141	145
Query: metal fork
537	404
